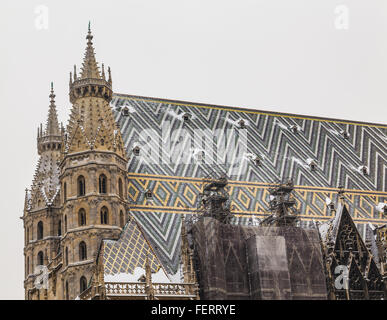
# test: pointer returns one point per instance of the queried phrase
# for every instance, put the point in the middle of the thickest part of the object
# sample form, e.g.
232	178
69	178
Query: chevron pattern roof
286	145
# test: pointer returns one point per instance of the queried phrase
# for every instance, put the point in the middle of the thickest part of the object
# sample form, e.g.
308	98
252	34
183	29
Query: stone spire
52	125
45	185
50	138
89	67
92	125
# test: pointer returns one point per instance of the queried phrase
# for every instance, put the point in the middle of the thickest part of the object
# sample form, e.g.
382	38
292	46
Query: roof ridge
267	112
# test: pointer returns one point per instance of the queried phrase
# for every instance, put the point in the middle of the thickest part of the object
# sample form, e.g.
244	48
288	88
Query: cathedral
149	198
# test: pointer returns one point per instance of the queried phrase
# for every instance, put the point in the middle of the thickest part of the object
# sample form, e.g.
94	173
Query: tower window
28	266
67	256
82	284
65	224
82	217
102	184
40	258
82	251
40	230
122	220
28	235
81	186
67	291
120	188
104	215
64	192
59	227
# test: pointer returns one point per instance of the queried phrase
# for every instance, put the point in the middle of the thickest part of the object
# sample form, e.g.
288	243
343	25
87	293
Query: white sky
276	55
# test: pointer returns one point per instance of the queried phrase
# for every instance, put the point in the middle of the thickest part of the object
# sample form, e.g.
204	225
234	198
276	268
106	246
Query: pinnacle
52	125
89	66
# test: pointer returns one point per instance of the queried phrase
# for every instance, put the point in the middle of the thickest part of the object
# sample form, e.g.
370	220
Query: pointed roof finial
52	126
90	67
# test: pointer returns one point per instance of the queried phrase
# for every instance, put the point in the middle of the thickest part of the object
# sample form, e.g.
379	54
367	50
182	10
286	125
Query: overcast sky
315	57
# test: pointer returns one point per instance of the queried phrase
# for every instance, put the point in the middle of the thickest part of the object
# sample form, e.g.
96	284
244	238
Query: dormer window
344	134
242	124
258	161
200	156
186	117
125	111
312	164
136	150
294	128
148	194
363	170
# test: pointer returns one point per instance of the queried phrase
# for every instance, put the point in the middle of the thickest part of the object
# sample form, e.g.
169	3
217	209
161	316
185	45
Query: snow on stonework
159	277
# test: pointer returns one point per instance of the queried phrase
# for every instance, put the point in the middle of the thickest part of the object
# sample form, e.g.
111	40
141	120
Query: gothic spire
90	67
52	125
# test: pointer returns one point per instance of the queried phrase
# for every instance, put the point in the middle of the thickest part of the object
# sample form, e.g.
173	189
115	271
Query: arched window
66	256
81	186
67	291
82	284
65	224
82	251
104	215
122	220
28	236
64	192
40	258
82	217
59	227
40	230
120	188
28	266
102	184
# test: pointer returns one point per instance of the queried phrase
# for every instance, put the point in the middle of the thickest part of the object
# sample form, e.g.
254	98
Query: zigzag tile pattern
284	143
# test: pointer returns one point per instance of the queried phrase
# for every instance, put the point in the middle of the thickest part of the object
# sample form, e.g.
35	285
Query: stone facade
79	192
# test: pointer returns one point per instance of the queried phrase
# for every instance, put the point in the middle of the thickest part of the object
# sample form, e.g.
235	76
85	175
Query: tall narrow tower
93	174
42	214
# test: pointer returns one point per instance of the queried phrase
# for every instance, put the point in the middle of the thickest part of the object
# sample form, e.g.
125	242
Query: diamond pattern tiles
284	143
129	252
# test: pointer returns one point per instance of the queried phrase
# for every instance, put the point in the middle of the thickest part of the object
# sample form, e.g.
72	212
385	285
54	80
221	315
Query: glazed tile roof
286	145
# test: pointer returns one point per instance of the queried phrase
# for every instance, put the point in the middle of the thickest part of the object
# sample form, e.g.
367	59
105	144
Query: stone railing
160	289
86	295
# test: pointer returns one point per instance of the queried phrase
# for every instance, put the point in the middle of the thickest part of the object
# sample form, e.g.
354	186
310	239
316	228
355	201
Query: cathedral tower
93	174
42	214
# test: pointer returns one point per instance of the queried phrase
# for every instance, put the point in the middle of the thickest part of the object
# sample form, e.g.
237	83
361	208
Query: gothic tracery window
82	284
81	186
82	251
64	192
82	217
104	215
40	258
102	184
66	256
40	230
122	220
120	188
